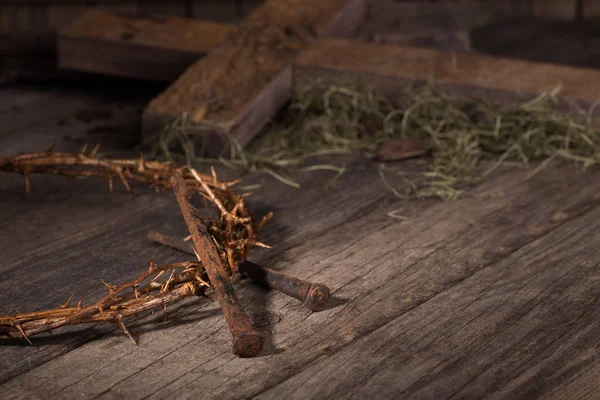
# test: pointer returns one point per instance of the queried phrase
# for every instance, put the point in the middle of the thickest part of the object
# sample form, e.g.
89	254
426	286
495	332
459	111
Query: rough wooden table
495	294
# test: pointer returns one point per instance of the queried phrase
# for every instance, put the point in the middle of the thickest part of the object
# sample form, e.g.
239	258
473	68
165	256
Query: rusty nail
247	341
314	295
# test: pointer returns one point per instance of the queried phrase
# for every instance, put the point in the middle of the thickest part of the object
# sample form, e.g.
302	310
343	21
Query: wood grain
238	87
39	235
383	273
390	68
158	48
494	295
510	330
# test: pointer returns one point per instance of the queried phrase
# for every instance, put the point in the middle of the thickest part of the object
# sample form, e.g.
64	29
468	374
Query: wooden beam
390	68
158	48
239	86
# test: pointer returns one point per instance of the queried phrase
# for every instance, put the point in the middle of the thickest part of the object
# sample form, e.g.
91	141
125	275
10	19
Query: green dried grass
468	138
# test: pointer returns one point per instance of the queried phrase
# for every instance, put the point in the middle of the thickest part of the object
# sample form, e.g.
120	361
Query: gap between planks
439	249
95	230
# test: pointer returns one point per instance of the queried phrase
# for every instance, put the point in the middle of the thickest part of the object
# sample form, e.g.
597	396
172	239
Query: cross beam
390	68
240	85
237	89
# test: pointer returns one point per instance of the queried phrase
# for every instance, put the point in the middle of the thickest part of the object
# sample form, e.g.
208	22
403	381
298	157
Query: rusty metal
314	295
247	341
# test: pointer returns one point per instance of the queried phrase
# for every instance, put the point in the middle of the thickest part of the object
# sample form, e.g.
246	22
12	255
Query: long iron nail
314	295
247	341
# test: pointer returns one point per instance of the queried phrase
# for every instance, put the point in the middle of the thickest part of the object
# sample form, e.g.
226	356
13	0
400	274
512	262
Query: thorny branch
128	299
84	164
234	234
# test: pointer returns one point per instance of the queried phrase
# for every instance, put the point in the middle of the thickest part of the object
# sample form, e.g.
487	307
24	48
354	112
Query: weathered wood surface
158	48
239	86
390	68
71	113
495	294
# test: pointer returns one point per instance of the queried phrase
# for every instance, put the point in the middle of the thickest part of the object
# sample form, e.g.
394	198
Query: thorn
187	238
197	255
27	185
165	287
18	326
214	174
202	281
95	151
121	325
85	146
68	301
157	276
261	244
136	293
101	312
120	174
230	261
80	304
265	219
236	208
152	266
141	166
109	287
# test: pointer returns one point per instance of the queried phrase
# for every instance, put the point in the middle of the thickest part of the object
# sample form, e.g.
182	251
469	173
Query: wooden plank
392	67
238	87
517	329
157	48
102	215
379	269
33	118
62	217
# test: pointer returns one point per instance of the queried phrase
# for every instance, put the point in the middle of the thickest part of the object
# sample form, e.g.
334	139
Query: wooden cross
249	72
